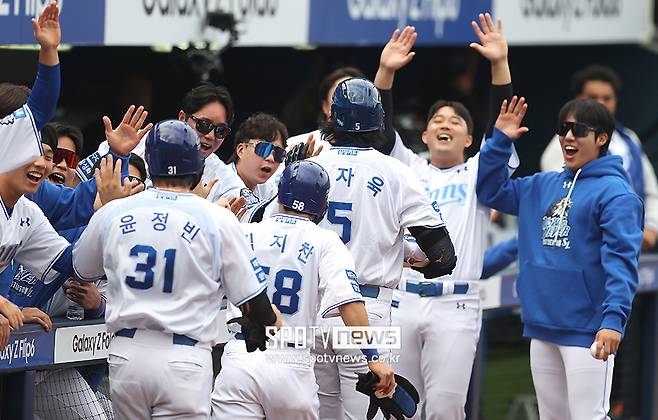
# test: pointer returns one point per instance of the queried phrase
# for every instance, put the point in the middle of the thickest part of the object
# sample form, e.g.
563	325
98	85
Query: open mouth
570	151
34	176
444	137
267	170
57	178
205	146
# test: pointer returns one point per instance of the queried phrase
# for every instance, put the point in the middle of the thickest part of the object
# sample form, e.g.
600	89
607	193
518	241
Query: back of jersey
168	258
309	270
373	197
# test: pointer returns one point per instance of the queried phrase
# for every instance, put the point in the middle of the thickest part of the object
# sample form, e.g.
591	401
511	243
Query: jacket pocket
555	297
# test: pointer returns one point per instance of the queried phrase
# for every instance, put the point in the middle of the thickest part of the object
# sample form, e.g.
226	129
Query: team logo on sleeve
555	224
249	197
354	281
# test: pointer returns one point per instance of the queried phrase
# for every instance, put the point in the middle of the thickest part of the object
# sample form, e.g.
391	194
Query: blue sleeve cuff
613	321
371	354
124	164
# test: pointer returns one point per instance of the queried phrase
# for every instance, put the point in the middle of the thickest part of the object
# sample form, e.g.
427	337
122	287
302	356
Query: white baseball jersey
169	259
20	141
466	218
373	197
235	187
27	236
309	269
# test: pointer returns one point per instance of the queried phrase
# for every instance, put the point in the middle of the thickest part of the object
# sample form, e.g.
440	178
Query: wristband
371	354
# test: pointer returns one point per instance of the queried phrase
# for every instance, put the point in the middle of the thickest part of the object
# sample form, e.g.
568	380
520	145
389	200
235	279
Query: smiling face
23	180
254	169
446	137
61	173
216	114
577	151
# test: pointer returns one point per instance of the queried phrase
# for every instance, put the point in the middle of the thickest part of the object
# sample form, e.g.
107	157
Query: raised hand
202	190
493	45
123	139
108	181
46	29
510	118
397	52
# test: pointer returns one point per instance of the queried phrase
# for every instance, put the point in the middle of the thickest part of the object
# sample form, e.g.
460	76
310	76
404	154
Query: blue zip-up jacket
579	243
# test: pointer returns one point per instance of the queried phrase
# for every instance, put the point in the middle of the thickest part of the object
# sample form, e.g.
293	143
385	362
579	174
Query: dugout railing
76	343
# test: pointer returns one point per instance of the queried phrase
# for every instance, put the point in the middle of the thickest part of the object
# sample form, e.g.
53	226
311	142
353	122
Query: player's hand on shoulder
11	312
397	52
108	181
47	30
302	151
37	316
510	117
493	45
126	136
607	343
386	384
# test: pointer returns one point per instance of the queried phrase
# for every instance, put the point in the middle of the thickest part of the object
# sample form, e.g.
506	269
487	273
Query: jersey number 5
147	268
345	222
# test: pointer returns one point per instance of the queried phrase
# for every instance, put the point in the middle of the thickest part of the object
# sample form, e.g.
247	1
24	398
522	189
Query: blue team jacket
579	243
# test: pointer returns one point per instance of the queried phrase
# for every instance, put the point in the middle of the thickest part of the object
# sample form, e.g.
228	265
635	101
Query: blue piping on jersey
347	146
336	305
4	209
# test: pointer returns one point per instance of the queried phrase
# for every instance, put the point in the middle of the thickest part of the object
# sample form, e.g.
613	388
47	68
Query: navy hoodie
579	243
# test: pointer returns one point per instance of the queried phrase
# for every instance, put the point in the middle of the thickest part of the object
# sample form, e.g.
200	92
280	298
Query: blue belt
369	291
429	288
178	339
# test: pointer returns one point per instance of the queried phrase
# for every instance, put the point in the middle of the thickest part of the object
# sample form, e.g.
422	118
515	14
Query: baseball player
309	271
20	122
580	234
440	319
169	256
372	199
208	109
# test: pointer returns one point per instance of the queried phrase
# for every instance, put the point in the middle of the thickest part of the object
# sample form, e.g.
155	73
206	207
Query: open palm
493	45
396	54
510	118
47	31
123	139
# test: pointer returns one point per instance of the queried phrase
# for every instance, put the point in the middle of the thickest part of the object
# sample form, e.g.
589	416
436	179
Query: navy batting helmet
304	187
357	106
172	149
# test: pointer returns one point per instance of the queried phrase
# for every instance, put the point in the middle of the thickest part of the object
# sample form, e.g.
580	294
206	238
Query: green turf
507	375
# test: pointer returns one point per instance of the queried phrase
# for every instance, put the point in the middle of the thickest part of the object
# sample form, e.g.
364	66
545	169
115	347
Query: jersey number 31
147	268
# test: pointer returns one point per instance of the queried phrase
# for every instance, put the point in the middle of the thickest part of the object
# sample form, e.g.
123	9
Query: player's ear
601	139
181	115
240	149
469	140
425	137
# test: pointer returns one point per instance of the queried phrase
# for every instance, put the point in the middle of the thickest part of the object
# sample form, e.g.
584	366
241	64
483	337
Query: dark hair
12	97
138	163
260	126
594	72
459	108
374	139
182	181
49	136
592	113
73	132
207	93
339	73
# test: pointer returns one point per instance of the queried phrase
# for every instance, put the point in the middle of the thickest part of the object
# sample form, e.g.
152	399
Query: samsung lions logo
555	224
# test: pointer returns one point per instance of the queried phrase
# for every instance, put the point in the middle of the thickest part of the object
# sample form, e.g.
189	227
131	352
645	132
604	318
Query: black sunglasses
264	148
578	129
135	178
204	126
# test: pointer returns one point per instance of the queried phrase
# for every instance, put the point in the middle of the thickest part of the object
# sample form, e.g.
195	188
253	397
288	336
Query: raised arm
45	91
493	47
395	55
495	189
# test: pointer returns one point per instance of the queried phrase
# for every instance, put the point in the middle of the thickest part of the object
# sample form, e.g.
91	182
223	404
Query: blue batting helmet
304	187
173	149
357	106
